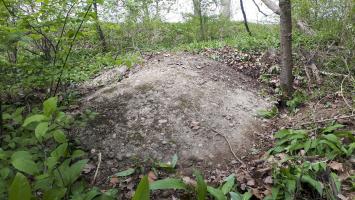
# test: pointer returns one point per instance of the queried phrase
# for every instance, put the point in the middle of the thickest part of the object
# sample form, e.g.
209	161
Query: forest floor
188	105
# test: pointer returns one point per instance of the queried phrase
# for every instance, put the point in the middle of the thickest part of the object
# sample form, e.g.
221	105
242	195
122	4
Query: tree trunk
226	9
99	30
1	122
245	17
198	13
286	77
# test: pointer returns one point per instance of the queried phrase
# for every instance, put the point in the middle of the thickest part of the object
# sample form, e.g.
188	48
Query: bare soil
173	104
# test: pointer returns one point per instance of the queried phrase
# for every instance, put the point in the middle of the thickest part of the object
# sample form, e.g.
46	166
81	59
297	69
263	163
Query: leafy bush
38	160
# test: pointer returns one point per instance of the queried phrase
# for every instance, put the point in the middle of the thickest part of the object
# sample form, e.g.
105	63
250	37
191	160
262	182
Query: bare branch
257	6
272	6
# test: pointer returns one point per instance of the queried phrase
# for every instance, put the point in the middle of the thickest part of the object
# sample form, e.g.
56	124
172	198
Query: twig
257	6
330	119
97	169
230	146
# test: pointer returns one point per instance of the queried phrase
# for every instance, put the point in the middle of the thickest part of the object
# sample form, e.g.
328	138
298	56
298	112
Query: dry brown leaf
268	180
336	166
151	177
188	181
88	168
256	192
251	182
114	181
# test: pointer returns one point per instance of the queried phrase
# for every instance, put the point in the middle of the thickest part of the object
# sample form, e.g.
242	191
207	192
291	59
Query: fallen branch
332	74
230	147
330	119
97	169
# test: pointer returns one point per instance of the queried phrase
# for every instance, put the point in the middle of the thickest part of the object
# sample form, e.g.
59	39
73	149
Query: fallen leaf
113	181
151	177
268	180
336	166
88	168
188	181
257	193
251	182
342	197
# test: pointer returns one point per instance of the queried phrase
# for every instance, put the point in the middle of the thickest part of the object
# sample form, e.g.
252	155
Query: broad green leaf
335	179
235	196
67	174
60	151
41	130
307	145
34	118
22	161
246	196
238	196
126	172
201	188
168	183
59	136
92	194
174	161
216	193
77	153
228	185
275	192
50	106
314	183
282	133
54	194
20	188
43	182
142	192
351	149
332	138
332	128
51	162
4	172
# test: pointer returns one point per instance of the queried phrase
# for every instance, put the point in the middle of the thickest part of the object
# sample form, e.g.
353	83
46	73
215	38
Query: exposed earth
173	104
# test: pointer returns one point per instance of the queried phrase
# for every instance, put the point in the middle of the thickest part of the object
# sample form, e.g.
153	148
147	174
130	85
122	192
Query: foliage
37	158
268	114
294	172
329	142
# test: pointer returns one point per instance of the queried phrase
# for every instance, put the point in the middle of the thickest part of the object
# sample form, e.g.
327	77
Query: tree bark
99	30
226	9
286	77
198	13
245	17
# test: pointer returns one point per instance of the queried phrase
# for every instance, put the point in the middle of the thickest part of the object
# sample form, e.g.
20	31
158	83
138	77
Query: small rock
114	136
164	142
162	121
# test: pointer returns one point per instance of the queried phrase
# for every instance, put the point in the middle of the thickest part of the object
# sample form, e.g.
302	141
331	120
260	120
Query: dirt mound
174	104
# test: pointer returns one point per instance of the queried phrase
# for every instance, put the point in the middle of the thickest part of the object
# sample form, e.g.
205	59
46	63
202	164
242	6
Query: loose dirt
174	104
